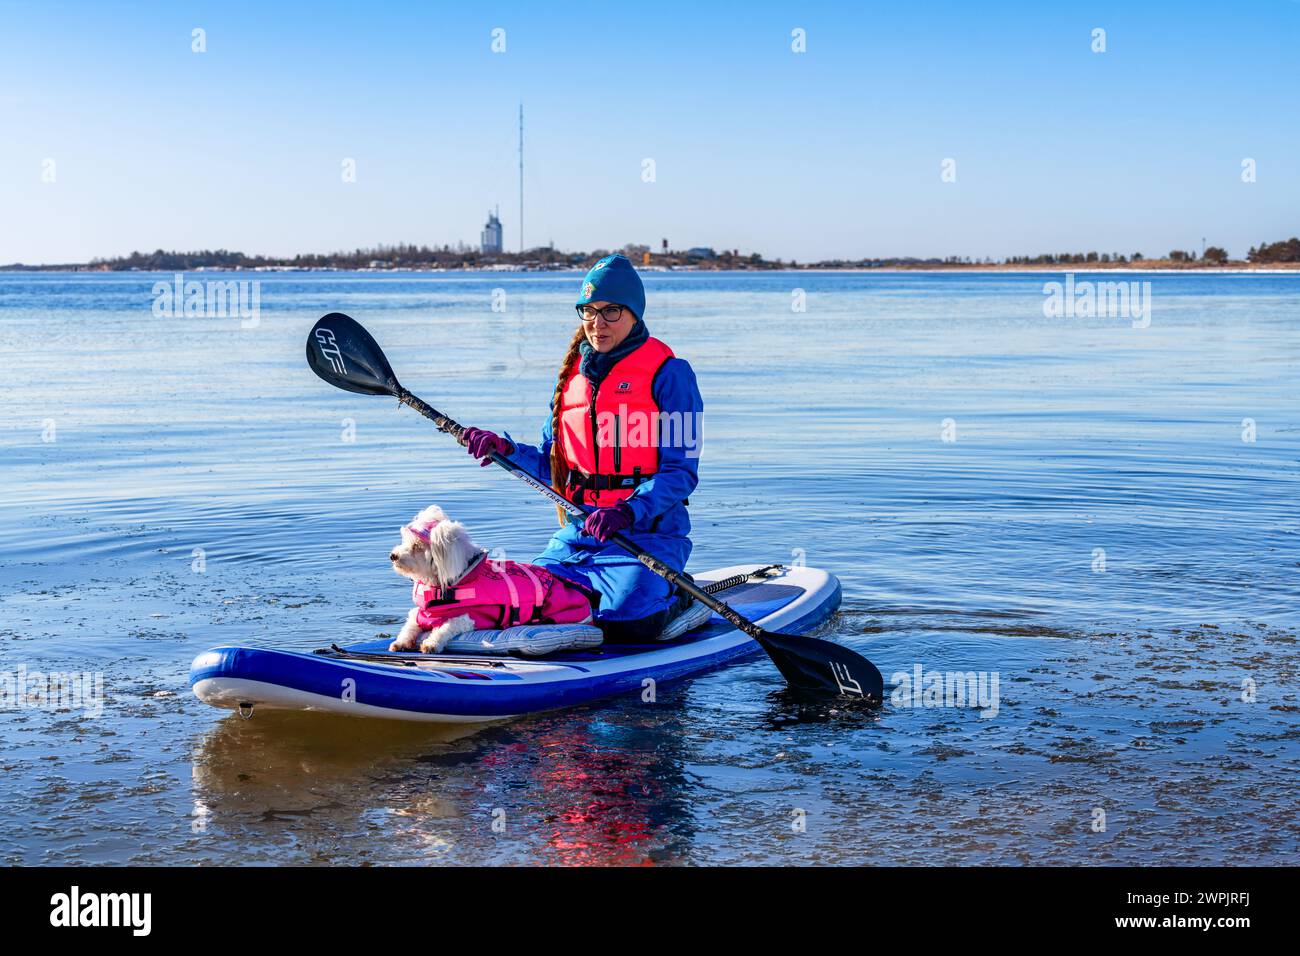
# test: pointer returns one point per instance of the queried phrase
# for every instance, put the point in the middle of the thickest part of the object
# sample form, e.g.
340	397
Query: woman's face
604	336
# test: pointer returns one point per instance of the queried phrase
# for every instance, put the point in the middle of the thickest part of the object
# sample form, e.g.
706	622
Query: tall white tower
492	239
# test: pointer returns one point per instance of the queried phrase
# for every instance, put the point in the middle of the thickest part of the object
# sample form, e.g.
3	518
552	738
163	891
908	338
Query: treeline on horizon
1286	251
465	257
401	254
1213	254
407	256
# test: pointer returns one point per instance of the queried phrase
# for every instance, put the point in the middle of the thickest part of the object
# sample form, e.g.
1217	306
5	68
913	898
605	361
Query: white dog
456	589
435	561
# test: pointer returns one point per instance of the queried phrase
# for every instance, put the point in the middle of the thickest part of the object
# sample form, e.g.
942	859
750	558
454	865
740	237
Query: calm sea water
1101	515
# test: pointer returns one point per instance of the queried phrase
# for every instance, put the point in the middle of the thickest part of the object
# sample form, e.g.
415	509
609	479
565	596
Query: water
201	487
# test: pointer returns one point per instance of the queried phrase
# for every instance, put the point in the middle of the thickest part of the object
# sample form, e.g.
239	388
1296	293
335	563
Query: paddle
344	354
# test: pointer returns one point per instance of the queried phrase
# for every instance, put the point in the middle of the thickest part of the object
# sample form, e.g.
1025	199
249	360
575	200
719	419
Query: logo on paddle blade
846	683
330	349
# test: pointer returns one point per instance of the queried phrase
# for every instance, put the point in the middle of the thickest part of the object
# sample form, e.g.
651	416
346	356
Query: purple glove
481	443
603	523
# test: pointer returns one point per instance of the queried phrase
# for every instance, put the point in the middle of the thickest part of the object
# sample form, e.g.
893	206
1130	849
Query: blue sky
832	152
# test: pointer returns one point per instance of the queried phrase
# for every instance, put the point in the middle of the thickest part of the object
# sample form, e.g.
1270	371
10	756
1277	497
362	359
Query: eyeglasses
610	313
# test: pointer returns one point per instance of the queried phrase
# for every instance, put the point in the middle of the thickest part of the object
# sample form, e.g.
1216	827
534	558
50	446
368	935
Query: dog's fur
442	561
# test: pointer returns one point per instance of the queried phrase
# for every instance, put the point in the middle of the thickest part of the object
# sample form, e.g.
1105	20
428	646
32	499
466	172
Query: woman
627	413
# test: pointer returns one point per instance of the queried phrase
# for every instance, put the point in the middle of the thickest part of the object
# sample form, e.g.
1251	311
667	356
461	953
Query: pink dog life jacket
500	594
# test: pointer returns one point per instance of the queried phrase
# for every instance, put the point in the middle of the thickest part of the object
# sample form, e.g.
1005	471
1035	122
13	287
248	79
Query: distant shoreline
1155	265
1281	256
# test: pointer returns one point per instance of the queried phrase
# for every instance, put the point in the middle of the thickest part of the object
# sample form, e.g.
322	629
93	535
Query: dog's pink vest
500	594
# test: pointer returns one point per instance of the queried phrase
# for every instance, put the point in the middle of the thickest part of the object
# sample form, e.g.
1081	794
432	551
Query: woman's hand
603	523
481	443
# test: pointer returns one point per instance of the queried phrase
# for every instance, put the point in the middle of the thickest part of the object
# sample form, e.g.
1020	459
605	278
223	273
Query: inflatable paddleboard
366	680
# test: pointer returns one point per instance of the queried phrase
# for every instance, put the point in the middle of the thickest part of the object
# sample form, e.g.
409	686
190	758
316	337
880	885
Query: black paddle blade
822	669
340	351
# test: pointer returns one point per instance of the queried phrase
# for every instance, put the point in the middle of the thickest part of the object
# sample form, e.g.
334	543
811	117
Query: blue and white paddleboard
459	689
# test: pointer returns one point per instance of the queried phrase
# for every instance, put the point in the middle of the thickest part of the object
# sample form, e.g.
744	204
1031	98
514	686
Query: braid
560	467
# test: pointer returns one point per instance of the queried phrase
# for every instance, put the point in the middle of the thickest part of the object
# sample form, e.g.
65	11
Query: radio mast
521	177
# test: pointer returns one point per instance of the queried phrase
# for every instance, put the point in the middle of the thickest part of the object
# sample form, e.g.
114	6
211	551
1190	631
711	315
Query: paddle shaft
671	575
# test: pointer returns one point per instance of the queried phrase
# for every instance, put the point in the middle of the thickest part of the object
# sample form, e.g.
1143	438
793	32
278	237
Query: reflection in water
562	789
603	792
273	752
312	778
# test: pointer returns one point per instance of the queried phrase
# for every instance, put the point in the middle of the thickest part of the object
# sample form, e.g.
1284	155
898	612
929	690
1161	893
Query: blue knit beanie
613	279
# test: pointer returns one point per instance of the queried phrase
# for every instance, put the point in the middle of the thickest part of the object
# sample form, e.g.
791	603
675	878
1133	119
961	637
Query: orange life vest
610	434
